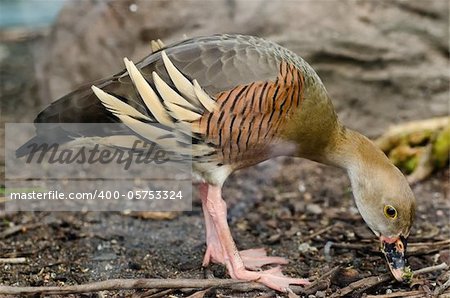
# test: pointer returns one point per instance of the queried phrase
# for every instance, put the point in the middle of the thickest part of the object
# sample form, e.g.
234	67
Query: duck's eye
390	212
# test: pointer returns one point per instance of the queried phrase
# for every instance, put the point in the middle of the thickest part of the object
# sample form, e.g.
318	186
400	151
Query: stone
370	54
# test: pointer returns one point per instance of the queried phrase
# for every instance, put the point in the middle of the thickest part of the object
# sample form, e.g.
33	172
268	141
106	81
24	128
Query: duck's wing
218	63
178	95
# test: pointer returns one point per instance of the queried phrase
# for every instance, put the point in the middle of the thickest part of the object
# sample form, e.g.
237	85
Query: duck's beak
394	250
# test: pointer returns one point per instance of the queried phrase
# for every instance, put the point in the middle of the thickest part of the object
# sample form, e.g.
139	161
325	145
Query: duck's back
219	63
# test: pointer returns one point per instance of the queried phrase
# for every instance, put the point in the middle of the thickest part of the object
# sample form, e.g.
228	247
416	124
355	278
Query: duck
242	100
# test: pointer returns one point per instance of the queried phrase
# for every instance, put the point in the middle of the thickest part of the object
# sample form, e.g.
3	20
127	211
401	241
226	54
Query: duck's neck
355	153
352	151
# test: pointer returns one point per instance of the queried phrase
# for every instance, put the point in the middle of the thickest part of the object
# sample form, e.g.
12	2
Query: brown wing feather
250	116
218	63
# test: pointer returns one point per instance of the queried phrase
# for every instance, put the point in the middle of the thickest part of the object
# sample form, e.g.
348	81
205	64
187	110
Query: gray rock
380	61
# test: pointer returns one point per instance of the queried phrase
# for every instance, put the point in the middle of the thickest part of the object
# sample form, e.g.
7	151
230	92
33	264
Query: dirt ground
294	208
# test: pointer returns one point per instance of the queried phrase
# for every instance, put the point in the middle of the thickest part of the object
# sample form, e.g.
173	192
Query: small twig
162	293
199	294
314	286
13	260
127	284
439	290
417	248
16	229
442	266
146	293
11	231
371	281
427	247
398	294
356	246
365	283
286	195
319	232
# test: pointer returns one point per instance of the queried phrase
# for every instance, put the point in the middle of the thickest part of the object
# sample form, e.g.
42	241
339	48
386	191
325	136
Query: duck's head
387	204
390	214
382	195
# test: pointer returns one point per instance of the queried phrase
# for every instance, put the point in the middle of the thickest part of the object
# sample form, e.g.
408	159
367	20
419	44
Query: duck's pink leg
253	259
214	251
221	247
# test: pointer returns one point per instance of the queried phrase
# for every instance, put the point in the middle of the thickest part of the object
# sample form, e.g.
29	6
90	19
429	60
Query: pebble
305	247
314	209
301	187
108	267
307	196
321	294
327	250
350	235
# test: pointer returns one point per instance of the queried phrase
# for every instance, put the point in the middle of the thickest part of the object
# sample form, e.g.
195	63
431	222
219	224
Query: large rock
382	61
